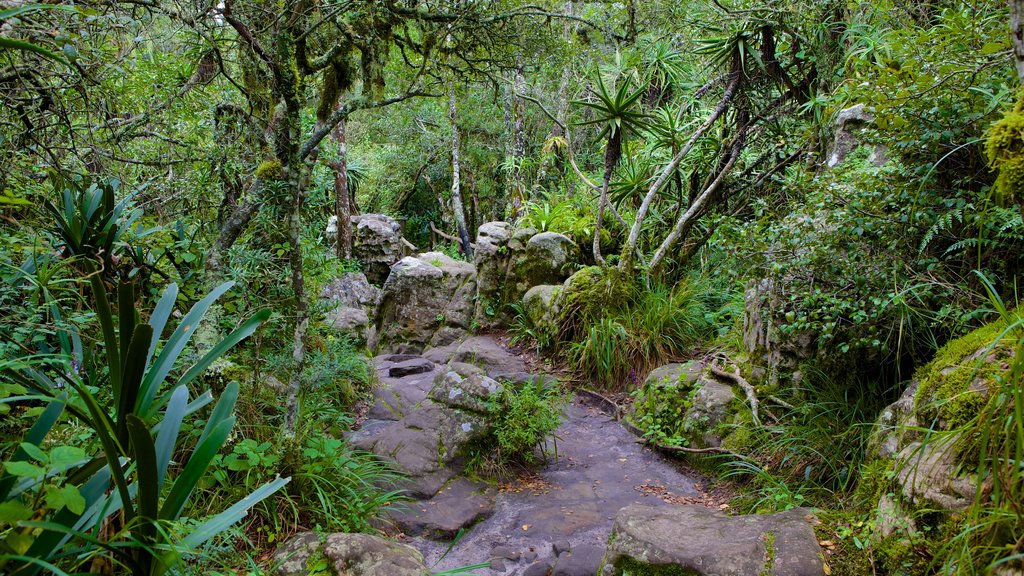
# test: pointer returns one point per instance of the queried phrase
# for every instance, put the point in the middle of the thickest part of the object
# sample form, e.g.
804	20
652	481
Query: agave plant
66	508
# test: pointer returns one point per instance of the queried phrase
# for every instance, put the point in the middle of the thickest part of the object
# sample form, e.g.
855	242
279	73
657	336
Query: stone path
556	518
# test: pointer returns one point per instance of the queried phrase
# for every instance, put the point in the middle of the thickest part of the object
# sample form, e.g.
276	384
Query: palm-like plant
138	432
617	112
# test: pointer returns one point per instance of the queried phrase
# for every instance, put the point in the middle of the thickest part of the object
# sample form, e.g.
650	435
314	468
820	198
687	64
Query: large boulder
491	259
540	304
548	260
348	555
427	300
698	541
377	243
686	403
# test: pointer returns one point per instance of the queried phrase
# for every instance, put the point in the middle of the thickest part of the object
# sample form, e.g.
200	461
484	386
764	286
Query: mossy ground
628	566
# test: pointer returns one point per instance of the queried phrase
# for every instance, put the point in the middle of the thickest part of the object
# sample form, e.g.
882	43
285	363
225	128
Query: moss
270	170
769	553
945	392
1004	147
589	294
626	565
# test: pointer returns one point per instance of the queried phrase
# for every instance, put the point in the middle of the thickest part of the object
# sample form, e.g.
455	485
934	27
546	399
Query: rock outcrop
377	243
427	300
703	542
849	124
355	303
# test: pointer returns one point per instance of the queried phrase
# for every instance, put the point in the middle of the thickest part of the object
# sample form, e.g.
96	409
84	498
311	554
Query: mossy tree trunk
458	210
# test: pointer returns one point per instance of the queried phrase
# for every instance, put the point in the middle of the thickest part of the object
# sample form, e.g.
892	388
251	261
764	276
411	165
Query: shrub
523	417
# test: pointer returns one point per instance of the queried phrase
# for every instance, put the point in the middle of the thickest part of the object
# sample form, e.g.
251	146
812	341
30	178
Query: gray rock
549	256
292	557
351	322
351	290
561	546
849	124
457	506
497	565
582	560
490	356
505	552
540	304
706	542
491	260
427	300
540	568
377	243
410	367
470	393
366	555
711	399
928	474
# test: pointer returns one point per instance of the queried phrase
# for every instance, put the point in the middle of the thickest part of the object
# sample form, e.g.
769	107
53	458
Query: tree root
738	379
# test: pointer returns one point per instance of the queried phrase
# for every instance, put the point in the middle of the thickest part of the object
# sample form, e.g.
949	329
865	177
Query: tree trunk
612	152
1017	31
295	183
518	141
458	210
342	205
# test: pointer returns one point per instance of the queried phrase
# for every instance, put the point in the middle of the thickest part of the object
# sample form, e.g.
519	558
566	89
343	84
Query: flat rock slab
348	555
410	367
579	561
706	542
482	351
571	501
459	505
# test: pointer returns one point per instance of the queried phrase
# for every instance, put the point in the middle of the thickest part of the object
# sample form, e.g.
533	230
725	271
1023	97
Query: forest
480	287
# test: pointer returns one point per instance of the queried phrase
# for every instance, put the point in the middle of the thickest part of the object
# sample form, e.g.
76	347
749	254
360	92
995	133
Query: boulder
549	256
491	259
351	290
849	124
462	391
368	555
482	352
377	243
706	403
540	304
774	356
427	300
348	555
703	542
351	322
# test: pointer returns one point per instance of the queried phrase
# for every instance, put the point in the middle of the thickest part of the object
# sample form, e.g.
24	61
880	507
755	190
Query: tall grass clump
614	341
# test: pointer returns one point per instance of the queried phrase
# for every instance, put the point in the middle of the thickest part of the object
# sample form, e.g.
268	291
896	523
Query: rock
774	355
540	568
349	555
423	443
465	392
540	304
530	555
928	474
560	546
497	565
491	260
707	402
705	542
486	353
351	322
848	124
458	506
377	243
410	367
895	425
582	560
291	558
548	258
426	301
351	290
367	555
505	552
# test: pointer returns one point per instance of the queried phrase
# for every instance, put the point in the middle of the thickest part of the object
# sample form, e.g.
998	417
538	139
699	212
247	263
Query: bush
523	417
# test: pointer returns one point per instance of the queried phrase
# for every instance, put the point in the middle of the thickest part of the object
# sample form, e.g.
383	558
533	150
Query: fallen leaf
526	527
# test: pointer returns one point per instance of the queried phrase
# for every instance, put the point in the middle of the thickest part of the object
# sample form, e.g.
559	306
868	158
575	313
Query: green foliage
523	417
1004	148
614	332
659	410
136	423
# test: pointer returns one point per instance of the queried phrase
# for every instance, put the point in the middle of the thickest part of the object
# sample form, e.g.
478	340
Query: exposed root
736	378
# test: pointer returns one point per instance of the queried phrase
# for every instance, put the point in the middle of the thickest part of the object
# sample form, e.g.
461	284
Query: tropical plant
57	501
